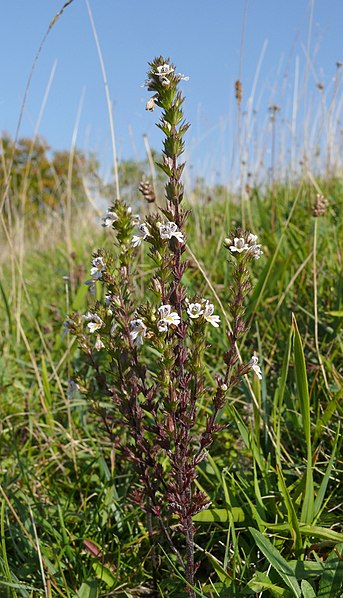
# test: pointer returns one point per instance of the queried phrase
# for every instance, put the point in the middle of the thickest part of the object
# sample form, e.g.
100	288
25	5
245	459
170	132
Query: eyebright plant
147	357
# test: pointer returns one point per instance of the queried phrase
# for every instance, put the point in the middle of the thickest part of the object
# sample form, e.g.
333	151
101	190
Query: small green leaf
89	589
104	574
219	569
261	582
307	589
220	515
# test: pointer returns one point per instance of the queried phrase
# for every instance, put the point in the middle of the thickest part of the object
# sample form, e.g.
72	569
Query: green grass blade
321	532
332	579
23	589
324	483
280	393
304	402
46	383
329	411
281	566
4	560
293	522
7	308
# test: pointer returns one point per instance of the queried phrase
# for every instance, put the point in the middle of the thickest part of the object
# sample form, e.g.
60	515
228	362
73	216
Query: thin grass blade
304	402
281	566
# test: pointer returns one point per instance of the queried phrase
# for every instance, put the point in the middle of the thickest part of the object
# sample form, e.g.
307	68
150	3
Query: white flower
150	105
135	219
239	245
182	77
169	230
93	326
99	344
110	217
253	363
148	83
251	239
165	81
94	322
138	331
165	69
143	233
208	315
98	268
167	318
162	73
254	248
88	316
195	310
136	241
256	251
162	325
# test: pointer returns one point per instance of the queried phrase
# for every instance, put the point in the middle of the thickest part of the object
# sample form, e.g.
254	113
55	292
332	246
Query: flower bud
150	105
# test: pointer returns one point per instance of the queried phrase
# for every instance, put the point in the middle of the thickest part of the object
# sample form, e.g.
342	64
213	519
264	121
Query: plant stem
189	536
152	544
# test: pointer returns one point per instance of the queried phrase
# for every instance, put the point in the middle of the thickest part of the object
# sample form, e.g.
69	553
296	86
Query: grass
273	476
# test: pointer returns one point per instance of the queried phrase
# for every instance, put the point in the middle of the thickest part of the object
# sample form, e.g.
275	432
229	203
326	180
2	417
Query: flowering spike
149	349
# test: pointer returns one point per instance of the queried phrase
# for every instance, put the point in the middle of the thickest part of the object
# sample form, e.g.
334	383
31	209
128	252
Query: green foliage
62	483
40	180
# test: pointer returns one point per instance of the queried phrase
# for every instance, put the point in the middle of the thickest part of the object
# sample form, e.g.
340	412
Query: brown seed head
238	92
147	191
273	109
320	206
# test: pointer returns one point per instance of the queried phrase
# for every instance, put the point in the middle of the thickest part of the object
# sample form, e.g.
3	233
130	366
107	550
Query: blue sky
202	37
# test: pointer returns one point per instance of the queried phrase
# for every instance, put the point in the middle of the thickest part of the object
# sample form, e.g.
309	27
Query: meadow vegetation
272	477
